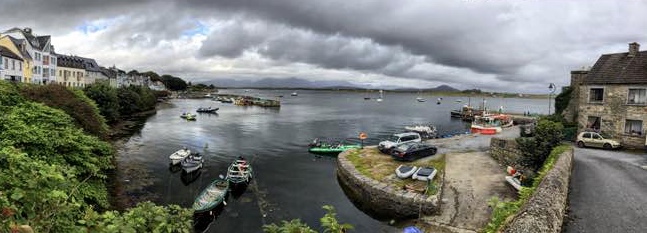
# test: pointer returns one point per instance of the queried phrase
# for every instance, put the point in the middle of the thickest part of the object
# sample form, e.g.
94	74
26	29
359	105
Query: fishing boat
192	163
424	173
207	110
405	171
239	172
179	155
330	148
490	124
213	195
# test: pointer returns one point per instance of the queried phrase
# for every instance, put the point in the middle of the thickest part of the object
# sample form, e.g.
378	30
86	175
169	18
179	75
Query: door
596	140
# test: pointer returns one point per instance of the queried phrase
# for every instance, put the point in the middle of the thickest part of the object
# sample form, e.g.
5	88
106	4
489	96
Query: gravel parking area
472	177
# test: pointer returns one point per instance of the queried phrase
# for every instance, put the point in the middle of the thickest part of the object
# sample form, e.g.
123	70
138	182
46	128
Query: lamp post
551	89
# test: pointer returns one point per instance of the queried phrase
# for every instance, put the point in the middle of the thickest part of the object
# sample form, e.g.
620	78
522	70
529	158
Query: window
596	95
637	96
6	64
634	127
53	61
13	64
53	72
593	123
20	65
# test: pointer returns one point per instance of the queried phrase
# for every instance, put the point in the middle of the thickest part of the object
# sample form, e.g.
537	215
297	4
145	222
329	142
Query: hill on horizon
299	83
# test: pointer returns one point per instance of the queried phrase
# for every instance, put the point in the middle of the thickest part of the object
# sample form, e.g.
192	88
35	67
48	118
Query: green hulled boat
330	147
211	196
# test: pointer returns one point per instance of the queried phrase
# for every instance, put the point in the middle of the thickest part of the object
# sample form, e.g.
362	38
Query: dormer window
596	95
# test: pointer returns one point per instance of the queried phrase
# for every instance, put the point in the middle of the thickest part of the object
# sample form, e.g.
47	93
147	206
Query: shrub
106	99
534	150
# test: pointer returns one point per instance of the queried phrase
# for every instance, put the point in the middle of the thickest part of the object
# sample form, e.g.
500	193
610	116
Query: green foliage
82	109
174	83
534	150
106	99
562	100
502	211
9	94
154	76
134	99
329	223
145	217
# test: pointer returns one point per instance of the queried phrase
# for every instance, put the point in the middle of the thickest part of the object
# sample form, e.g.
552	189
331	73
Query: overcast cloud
512	46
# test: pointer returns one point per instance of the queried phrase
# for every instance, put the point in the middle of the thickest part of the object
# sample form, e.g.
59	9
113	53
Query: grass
371	163
502	211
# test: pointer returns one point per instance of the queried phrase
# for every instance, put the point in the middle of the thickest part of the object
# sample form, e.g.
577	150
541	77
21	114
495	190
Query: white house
11	65
41	54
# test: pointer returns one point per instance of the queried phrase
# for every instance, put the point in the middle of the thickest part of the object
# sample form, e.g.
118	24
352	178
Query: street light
551	88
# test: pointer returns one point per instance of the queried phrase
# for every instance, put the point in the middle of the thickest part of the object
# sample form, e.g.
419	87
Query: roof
619	68
70	61
5	52
108	72
18	43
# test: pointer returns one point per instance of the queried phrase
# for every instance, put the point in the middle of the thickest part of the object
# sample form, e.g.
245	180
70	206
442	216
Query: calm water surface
289	183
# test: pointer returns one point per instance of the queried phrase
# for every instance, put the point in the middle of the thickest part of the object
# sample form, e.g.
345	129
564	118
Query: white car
593	139
397	139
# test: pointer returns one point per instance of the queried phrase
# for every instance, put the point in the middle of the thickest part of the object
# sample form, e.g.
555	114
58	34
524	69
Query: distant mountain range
298	83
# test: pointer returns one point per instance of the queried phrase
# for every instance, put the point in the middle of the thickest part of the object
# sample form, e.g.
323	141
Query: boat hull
405	171
213	195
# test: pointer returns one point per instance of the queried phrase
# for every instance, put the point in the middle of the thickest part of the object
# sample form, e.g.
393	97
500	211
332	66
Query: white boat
420	99
405	171
516	184
192	163
381	96
179	155
294	94
425	131
424	173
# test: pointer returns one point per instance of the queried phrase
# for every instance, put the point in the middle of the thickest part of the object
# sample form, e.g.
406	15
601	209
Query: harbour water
289	182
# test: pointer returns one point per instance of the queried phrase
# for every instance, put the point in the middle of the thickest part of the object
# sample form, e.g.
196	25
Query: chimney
633	49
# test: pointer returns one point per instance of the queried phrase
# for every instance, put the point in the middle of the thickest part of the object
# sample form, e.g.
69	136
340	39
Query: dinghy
405	171
211	196
424	173
192	163
179	155
239	172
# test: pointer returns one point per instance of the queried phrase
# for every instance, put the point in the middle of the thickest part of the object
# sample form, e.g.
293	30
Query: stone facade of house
611	97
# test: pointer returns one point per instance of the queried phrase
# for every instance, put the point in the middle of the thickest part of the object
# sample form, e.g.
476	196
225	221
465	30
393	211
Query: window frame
590	99
627	131
629	89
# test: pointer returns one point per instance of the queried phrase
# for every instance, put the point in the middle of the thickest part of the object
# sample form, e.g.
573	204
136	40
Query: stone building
611	97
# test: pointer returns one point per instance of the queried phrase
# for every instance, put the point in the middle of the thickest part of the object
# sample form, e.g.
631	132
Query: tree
562	100
106	98
133	72
154	76
535	150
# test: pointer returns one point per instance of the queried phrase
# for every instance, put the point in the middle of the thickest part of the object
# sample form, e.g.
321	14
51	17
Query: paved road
608	192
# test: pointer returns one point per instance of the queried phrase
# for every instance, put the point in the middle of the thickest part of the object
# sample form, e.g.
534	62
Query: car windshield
404	147
394	138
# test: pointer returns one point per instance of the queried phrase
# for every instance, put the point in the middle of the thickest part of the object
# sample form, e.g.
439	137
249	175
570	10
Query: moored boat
179	155
424	173
192	163
405	171
329	148
207	110
239	172
213	195
428	131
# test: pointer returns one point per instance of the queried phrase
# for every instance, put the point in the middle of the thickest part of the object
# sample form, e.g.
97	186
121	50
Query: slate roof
108	72
619	68
70	61
17	43
5	52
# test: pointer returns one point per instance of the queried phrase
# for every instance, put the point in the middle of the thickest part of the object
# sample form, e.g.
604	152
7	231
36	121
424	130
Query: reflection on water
289	182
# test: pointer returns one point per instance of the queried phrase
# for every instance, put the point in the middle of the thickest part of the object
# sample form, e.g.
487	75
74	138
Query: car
593	139
397	139
410	151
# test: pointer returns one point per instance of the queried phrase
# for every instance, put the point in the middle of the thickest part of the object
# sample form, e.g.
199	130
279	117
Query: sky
503	46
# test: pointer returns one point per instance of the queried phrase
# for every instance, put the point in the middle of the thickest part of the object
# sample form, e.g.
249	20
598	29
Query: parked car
397	139
410	151
593	139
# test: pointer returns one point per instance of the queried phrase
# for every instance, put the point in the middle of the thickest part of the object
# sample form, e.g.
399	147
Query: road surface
608	192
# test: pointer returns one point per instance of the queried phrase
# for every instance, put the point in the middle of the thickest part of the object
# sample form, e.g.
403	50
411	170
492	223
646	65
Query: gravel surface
608	192
472	177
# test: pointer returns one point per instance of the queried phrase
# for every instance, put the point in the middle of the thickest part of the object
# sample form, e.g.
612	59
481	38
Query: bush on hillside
535	150
82	109
106	99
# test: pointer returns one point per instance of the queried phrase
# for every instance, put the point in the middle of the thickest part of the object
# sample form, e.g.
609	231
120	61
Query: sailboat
366	97
381	96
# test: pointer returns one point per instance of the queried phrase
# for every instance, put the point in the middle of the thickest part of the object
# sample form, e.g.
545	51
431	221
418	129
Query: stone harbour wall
381	199
545	210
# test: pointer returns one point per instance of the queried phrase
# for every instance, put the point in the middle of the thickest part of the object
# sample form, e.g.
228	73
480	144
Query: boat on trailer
213	195
405	171
424	173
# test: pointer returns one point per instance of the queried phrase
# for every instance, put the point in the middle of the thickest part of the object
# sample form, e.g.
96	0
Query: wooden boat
213	195
330	148
424	173
179	155
490	124
192	163
405	171
239	172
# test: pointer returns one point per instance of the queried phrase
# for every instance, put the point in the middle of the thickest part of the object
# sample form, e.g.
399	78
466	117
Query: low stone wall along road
608	192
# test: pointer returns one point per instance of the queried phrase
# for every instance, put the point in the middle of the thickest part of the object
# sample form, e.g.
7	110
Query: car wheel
607	146
580	144
433	151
